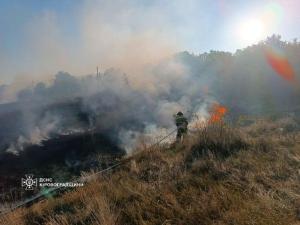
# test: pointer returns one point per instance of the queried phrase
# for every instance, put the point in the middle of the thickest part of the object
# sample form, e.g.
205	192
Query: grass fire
135	112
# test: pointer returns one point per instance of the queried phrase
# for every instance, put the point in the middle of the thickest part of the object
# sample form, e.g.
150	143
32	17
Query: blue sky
42	36
15	14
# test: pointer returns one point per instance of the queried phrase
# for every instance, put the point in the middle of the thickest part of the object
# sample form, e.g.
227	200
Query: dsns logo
29	182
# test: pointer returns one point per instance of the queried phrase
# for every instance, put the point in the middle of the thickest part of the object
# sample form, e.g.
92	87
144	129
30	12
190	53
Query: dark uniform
181	123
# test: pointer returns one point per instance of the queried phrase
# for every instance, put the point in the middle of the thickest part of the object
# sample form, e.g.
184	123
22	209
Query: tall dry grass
219	175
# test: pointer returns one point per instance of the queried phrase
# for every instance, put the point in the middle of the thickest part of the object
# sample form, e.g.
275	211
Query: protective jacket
181	121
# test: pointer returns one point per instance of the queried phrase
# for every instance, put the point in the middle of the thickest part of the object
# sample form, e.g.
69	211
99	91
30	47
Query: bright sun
251	31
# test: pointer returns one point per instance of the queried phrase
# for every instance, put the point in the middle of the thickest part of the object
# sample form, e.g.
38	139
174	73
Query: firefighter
182	124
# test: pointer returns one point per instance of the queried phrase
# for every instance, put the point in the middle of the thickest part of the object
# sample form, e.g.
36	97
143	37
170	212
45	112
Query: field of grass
219	175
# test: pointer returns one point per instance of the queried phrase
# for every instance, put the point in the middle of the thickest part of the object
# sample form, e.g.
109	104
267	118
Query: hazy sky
40	37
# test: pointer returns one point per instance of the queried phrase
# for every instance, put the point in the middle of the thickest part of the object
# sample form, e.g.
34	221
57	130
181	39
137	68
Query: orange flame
217	113
280	64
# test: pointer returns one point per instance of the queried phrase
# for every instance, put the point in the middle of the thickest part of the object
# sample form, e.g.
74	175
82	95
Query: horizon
38	39
52	76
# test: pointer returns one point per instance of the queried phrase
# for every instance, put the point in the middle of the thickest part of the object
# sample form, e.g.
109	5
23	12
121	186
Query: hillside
221	175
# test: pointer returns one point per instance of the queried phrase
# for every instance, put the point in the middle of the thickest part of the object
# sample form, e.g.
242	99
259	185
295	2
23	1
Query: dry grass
221	175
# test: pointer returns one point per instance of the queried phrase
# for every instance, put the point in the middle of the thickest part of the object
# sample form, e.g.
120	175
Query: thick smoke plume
125	105
110	103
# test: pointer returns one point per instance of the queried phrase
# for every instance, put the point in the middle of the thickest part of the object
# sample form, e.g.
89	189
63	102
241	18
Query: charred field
221	174
238	165
60	156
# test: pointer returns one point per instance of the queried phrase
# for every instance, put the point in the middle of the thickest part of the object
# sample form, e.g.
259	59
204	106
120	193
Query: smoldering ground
119	105
107	103
119	108
124	105
108	35
49	118
136	40
47	123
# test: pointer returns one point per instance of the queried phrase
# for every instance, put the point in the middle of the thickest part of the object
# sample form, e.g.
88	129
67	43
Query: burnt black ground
60	158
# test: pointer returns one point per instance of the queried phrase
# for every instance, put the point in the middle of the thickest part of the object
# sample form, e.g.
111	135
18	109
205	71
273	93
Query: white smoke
37	132
113	104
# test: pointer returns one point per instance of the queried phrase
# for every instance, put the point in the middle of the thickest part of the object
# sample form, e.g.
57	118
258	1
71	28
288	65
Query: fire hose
40	196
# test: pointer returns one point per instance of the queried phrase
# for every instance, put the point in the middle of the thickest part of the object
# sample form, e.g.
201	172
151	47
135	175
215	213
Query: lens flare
273	15
280	64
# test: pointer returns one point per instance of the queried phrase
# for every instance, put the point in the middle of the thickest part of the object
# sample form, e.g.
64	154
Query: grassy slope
219	176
